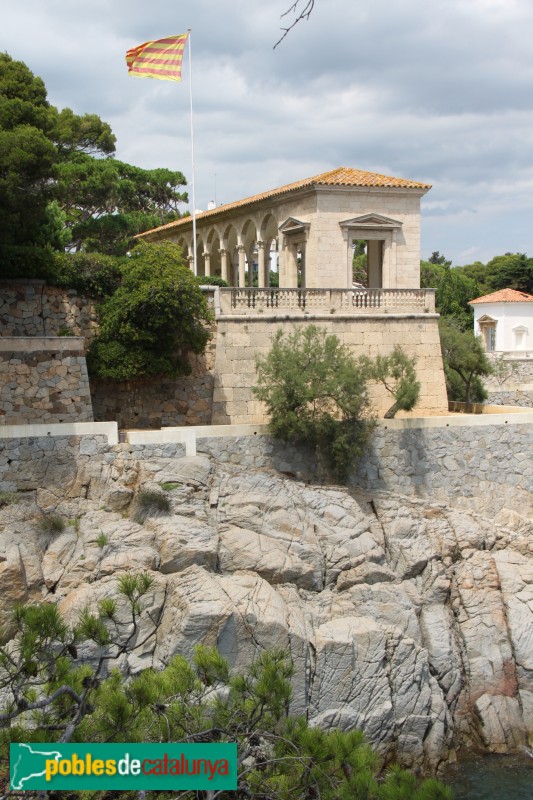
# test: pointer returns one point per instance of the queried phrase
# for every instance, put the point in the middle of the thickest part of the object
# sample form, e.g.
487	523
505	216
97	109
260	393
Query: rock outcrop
405	618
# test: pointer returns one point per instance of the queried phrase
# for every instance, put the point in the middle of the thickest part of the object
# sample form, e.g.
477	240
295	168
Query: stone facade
159	402
43	379
241	339
314	223
31	308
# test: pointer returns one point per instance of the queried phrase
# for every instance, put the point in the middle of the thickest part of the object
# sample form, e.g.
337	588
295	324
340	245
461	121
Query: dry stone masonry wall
43	379
31	308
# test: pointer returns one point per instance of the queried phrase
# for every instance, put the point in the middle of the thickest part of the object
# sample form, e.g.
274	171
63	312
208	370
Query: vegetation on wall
52	693
157	313
397	373
315	393
465	363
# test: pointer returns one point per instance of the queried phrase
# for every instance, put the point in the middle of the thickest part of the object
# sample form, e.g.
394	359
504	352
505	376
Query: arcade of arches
306	232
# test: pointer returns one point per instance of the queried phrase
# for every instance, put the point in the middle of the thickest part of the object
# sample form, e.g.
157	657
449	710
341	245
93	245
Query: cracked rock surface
404	618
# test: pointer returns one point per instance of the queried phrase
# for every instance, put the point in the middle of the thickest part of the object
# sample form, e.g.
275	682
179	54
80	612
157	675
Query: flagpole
192	161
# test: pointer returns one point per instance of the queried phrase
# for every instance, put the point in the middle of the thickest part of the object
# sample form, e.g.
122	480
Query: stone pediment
293	225
485	319
370	221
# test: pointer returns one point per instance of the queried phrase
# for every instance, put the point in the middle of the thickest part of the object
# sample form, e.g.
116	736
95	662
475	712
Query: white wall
509	316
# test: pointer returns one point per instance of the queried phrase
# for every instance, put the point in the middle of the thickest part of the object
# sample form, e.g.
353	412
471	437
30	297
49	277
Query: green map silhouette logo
122	766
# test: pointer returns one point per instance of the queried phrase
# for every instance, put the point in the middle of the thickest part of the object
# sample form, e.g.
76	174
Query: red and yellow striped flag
160	59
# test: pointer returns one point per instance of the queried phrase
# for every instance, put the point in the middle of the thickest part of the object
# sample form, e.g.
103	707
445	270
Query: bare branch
305	13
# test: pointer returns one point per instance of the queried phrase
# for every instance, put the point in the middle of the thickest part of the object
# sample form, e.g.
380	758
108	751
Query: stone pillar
250	257
282	258
190	259
304	269
291	268
240	250
261	272
207	263
224	264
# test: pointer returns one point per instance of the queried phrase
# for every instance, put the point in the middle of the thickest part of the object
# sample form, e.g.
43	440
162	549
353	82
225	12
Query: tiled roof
342	176
504	296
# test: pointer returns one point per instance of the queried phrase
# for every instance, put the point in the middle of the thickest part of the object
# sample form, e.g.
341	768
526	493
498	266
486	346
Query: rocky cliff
406	618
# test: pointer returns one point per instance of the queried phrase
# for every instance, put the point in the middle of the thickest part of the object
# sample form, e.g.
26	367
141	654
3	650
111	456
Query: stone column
190	259
261	272
224	264
291	269
240	250
250	257
282	260
207	263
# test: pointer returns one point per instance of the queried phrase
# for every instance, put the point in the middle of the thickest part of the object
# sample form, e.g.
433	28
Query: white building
504	320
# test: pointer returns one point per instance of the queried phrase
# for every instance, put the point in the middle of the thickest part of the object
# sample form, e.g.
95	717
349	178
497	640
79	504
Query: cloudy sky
440	92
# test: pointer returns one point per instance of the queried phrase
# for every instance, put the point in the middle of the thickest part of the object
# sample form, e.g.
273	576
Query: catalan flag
159	59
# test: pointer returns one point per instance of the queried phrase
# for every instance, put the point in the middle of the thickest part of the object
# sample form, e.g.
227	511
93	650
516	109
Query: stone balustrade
326	301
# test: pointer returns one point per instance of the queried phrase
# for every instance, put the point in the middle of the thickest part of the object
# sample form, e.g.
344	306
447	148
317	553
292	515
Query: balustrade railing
326	301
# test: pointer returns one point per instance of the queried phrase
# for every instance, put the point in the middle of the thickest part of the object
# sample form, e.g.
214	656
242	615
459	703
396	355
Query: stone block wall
29	464
159	402
482	464
239	340
31	308
456	464
43	379
511	397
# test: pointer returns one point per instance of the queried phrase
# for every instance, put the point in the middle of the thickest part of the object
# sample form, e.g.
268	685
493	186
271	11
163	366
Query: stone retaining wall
26	464
241	339
159	402
459	462
454	464
43	379
31	308
511	397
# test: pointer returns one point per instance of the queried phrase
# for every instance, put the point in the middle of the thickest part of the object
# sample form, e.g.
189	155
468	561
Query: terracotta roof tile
504	296
342	176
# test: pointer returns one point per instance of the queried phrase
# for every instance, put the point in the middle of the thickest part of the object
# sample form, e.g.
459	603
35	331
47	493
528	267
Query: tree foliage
512	270
315	393
464	358
60	684
157	313
397	373
27	154
454	290
60	186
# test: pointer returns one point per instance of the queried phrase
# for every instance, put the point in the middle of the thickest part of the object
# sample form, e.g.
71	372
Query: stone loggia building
313	225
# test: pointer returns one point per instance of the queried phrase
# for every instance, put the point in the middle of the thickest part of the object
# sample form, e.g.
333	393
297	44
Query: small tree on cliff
397	373
315	393
465	362
157	313
53	695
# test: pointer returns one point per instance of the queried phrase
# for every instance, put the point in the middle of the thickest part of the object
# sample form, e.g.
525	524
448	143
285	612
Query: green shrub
150	504
52	523
8	499
153	318
91	274
168	486
465	362
101	540
397	373
26	261
211	280
315	393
